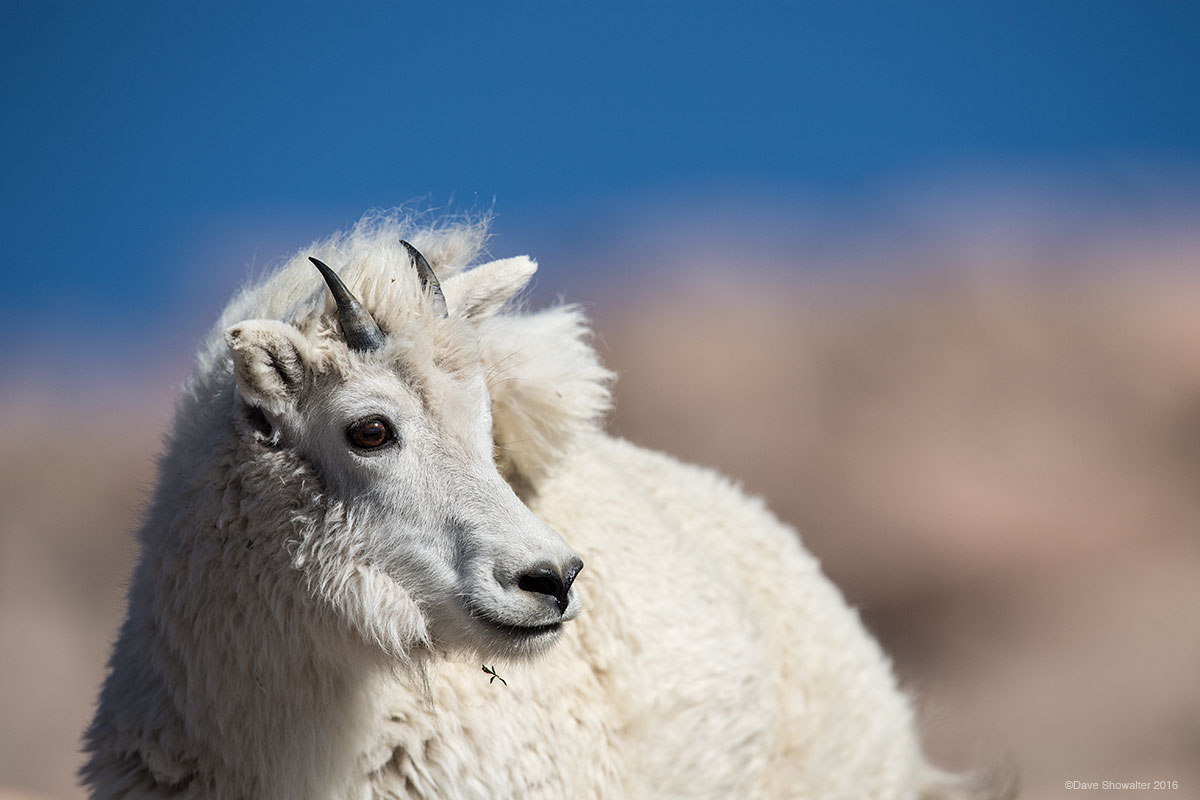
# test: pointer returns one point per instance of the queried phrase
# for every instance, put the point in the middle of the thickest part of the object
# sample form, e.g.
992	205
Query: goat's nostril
548	582
573	570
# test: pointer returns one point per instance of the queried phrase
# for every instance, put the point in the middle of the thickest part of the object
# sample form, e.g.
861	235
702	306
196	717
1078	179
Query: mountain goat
376	481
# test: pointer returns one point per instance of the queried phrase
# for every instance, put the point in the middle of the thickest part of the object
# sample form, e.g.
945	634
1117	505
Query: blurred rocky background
999	470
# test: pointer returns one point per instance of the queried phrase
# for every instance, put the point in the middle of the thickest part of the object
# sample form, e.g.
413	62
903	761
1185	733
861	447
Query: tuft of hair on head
548	389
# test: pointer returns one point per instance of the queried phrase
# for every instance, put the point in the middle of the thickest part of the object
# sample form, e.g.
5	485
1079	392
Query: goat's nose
549	581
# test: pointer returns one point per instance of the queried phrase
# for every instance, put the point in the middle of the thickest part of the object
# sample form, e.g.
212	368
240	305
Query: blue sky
151	151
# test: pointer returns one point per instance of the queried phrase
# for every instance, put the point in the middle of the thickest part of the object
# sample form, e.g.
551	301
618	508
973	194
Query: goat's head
421	540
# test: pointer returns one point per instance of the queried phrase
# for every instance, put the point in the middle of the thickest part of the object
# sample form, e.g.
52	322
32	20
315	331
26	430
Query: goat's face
422	540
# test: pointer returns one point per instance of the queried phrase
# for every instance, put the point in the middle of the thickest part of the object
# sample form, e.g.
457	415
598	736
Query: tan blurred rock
1001	473
16	794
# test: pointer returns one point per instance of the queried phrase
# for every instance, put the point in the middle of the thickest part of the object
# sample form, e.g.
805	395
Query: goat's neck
235	709
221	677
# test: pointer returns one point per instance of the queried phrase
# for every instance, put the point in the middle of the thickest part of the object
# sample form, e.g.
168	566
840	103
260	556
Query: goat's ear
480	292
268	361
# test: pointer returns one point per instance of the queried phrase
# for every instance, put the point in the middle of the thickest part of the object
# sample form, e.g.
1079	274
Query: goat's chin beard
517	643
479	635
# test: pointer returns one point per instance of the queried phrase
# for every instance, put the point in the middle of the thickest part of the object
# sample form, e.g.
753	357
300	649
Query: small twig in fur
492	672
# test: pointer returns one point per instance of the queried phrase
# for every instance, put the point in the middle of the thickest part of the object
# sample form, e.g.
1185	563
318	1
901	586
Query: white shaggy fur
296	623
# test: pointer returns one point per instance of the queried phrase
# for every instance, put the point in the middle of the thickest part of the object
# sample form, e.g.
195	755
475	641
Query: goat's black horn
429	281
359	328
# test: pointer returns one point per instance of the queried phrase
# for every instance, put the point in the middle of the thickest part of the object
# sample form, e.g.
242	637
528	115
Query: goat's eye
369	433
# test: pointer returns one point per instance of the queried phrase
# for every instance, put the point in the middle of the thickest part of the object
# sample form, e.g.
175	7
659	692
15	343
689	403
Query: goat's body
307	620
